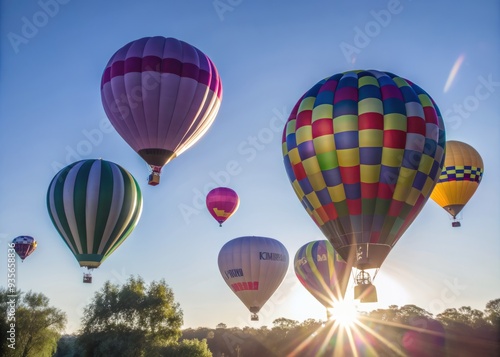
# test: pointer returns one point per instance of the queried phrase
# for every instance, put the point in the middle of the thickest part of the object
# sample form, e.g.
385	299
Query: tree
390	314
132	320
4	324
407	314
38	326
401	315
492	312
67	347
463	317
187	348
284	323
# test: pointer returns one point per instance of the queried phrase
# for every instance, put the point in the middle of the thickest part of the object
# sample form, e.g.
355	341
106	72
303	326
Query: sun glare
453	72
344	313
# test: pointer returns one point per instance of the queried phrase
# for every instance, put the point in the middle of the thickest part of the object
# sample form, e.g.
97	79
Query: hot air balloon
24	246
222	202
363	151
94	205
322	272
461	175
161	95
253	267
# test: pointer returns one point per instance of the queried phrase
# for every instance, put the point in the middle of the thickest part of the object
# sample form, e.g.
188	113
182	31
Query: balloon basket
365	293
87	278
154	179
254	317
455	224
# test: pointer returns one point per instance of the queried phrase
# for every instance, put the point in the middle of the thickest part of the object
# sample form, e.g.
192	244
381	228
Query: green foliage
137	320
492	312
284	324
4	324
67	347
37	325
402	315
462	317
134	319
395	331
187	348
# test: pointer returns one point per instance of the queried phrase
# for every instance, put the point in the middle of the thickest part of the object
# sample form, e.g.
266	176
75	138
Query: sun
344	313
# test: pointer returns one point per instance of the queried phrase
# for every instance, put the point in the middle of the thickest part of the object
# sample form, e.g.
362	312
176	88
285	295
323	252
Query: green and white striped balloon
94	205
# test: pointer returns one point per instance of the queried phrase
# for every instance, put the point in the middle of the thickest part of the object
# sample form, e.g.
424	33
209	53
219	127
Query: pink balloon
222	202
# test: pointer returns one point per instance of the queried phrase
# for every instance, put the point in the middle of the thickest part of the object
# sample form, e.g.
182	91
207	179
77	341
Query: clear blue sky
268	54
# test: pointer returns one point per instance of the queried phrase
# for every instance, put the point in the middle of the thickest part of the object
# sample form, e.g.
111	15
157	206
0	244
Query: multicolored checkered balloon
363	151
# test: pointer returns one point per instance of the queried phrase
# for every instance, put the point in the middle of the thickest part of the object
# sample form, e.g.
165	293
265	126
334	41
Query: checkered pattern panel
461	173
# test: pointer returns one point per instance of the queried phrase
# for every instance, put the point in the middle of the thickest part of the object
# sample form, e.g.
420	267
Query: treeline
143	320
396	331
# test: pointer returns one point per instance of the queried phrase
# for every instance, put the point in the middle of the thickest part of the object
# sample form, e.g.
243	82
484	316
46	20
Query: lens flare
344	313
453	72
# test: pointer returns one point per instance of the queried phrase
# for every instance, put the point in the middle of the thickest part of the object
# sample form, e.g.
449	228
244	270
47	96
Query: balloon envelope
222	202
363	151
161	95
24	246
253	267
460	178
322	272
94	205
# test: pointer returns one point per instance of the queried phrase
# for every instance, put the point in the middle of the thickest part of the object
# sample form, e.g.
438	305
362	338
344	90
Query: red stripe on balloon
346	93
385	191
159	65
395	139
303	119
369	190
331	211
416	125
371	120
374	237
350	175
395	208
245	285
430	115
354	206
322	127
299	171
